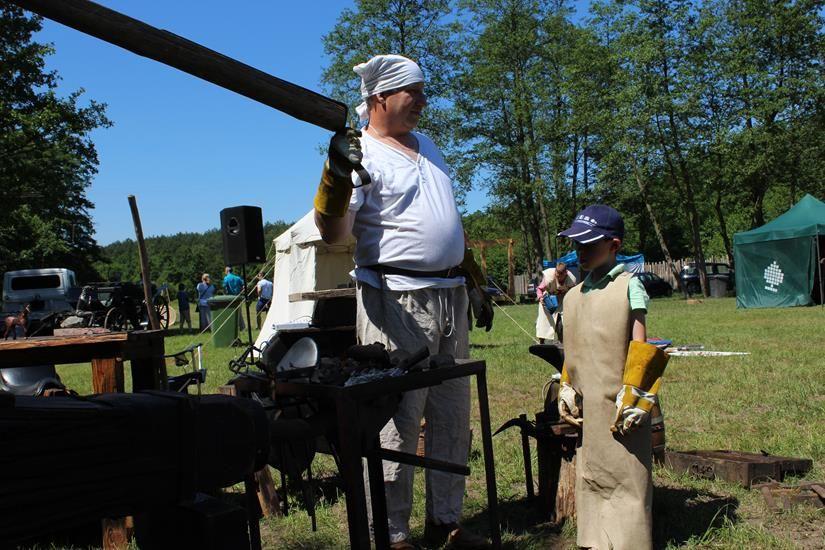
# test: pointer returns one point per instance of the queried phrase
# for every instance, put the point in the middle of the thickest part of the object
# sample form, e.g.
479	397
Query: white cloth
436	318
407	217
265	286
383	73
545	325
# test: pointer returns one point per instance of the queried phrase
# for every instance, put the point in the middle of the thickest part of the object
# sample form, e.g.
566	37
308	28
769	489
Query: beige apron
614	489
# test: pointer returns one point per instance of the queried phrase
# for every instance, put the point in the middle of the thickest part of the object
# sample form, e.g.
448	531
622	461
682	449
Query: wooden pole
483	262
144	265
189	57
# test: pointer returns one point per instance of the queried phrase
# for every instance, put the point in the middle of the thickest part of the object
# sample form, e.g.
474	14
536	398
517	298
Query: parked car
655	285
690	276
47	291
495	290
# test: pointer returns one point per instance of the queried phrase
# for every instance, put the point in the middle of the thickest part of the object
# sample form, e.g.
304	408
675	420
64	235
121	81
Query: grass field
771	400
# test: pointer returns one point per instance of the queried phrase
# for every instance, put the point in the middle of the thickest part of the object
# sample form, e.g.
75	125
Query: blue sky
186	148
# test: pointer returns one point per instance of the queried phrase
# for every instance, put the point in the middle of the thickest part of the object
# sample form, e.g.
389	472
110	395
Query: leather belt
450	273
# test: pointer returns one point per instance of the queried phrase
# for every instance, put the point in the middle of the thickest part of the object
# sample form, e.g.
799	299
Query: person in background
264	290
233	286
556	281
205	290
183	307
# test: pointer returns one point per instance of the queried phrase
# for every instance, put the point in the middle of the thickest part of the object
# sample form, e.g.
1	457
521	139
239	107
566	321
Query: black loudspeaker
242	228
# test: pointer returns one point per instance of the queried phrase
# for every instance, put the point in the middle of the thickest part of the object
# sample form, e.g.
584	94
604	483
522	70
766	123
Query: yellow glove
569	401
641	381
344	156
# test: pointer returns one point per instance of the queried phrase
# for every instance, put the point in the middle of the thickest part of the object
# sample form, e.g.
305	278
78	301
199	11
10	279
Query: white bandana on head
383	73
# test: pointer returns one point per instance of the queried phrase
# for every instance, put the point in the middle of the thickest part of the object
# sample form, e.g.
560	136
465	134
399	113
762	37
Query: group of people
233	285
389	187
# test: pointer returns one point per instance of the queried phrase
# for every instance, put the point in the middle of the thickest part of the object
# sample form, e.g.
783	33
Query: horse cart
118	306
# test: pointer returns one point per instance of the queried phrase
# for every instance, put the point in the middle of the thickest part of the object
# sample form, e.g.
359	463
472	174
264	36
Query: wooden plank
322	294
107	375
189	57
143	258
85	331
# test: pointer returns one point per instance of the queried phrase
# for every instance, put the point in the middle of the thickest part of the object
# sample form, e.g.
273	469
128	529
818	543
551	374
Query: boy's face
595	254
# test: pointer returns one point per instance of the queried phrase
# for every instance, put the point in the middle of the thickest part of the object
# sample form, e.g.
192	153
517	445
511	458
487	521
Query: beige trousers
436	318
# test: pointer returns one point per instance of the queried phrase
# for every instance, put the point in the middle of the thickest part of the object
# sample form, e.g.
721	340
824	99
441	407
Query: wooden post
144	265
511	270
483	262
107	375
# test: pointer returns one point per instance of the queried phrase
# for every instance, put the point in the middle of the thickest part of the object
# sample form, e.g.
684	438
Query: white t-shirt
266	289
407	217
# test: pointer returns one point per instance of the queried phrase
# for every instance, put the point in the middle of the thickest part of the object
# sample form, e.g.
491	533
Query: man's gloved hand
482	308
344	155
480	301
641	381
569	401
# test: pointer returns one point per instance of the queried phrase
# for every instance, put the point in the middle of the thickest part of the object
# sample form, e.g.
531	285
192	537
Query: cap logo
587	220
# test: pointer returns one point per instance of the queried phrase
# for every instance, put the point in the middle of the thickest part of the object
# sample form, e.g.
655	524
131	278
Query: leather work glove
482	307
569	401
343	156
642	378
480	301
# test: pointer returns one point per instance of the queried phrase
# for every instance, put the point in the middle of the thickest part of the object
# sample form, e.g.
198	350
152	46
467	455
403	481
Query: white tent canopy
304	263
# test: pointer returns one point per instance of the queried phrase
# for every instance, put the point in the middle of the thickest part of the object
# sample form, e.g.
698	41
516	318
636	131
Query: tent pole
819	268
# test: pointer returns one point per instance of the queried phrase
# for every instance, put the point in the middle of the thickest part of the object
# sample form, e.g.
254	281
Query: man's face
561	273
404	106
227	271
597	253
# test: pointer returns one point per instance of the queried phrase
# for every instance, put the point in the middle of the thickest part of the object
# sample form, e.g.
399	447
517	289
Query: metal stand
246	304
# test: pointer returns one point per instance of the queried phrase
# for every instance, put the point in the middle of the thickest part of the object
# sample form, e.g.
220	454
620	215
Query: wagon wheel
162	312
115	320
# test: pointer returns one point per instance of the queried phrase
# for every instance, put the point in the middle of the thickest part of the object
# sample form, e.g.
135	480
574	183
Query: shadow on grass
682	513
486	346
522	526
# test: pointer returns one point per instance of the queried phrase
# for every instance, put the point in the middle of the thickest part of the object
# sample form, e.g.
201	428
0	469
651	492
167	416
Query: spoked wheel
162	311
115	320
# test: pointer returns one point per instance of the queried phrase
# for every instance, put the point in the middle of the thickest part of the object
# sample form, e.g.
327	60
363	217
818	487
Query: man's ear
615	244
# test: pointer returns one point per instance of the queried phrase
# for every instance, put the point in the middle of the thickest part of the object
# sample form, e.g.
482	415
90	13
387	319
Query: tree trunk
657	228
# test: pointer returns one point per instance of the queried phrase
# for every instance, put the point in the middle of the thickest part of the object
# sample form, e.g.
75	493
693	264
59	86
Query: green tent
778	264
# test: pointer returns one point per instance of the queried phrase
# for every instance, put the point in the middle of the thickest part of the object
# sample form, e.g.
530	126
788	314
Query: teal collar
617	270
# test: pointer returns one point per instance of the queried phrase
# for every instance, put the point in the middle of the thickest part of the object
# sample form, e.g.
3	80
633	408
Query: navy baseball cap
595	222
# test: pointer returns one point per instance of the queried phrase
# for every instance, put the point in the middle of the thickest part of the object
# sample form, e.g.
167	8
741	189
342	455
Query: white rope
530	336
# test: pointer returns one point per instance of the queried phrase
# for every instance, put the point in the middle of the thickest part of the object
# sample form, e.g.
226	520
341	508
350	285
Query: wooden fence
662	269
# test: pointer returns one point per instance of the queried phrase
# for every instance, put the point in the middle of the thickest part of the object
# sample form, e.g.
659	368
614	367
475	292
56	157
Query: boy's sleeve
637	295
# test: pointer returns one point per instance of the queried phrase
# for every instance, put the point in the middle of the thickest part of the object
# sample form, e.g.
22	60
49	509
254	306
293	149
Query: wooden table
354	443
106	352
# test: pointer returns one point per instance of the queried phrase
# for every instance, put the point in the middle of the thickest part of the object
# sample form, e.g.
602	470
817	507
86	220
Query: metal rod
253	512
246	304
819	267
422	462
189	57
489	462
528	460
378	499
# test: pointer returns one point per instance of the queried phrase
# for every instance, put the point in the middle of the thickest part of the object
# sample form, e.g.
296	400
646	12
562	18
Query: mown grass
772	400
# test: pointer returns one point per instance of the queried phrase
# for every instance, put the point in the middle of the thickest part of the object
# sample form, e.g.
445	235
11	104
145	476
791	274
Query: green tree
47	158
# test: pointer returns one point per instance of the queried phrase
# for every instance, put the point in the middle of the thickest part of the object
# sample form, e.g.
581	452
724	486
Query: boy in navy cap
608	387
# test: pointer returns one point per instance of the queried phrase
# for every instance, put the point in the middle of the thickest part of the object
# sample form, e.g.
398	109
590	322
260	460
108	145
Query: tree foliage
47	158
180	258
695	119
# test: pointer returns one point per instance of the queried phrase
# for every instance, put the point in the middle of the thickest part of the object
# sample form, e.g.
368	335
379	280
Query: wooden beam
144	266
511	269
322	294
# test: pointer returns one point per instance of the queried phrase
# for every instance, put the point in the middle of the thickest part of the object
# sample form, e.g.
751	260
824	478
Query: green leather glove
343	156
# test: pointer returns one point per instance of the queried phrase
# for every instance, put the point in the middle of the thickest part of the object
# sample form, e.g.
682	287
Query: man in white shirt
410	289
